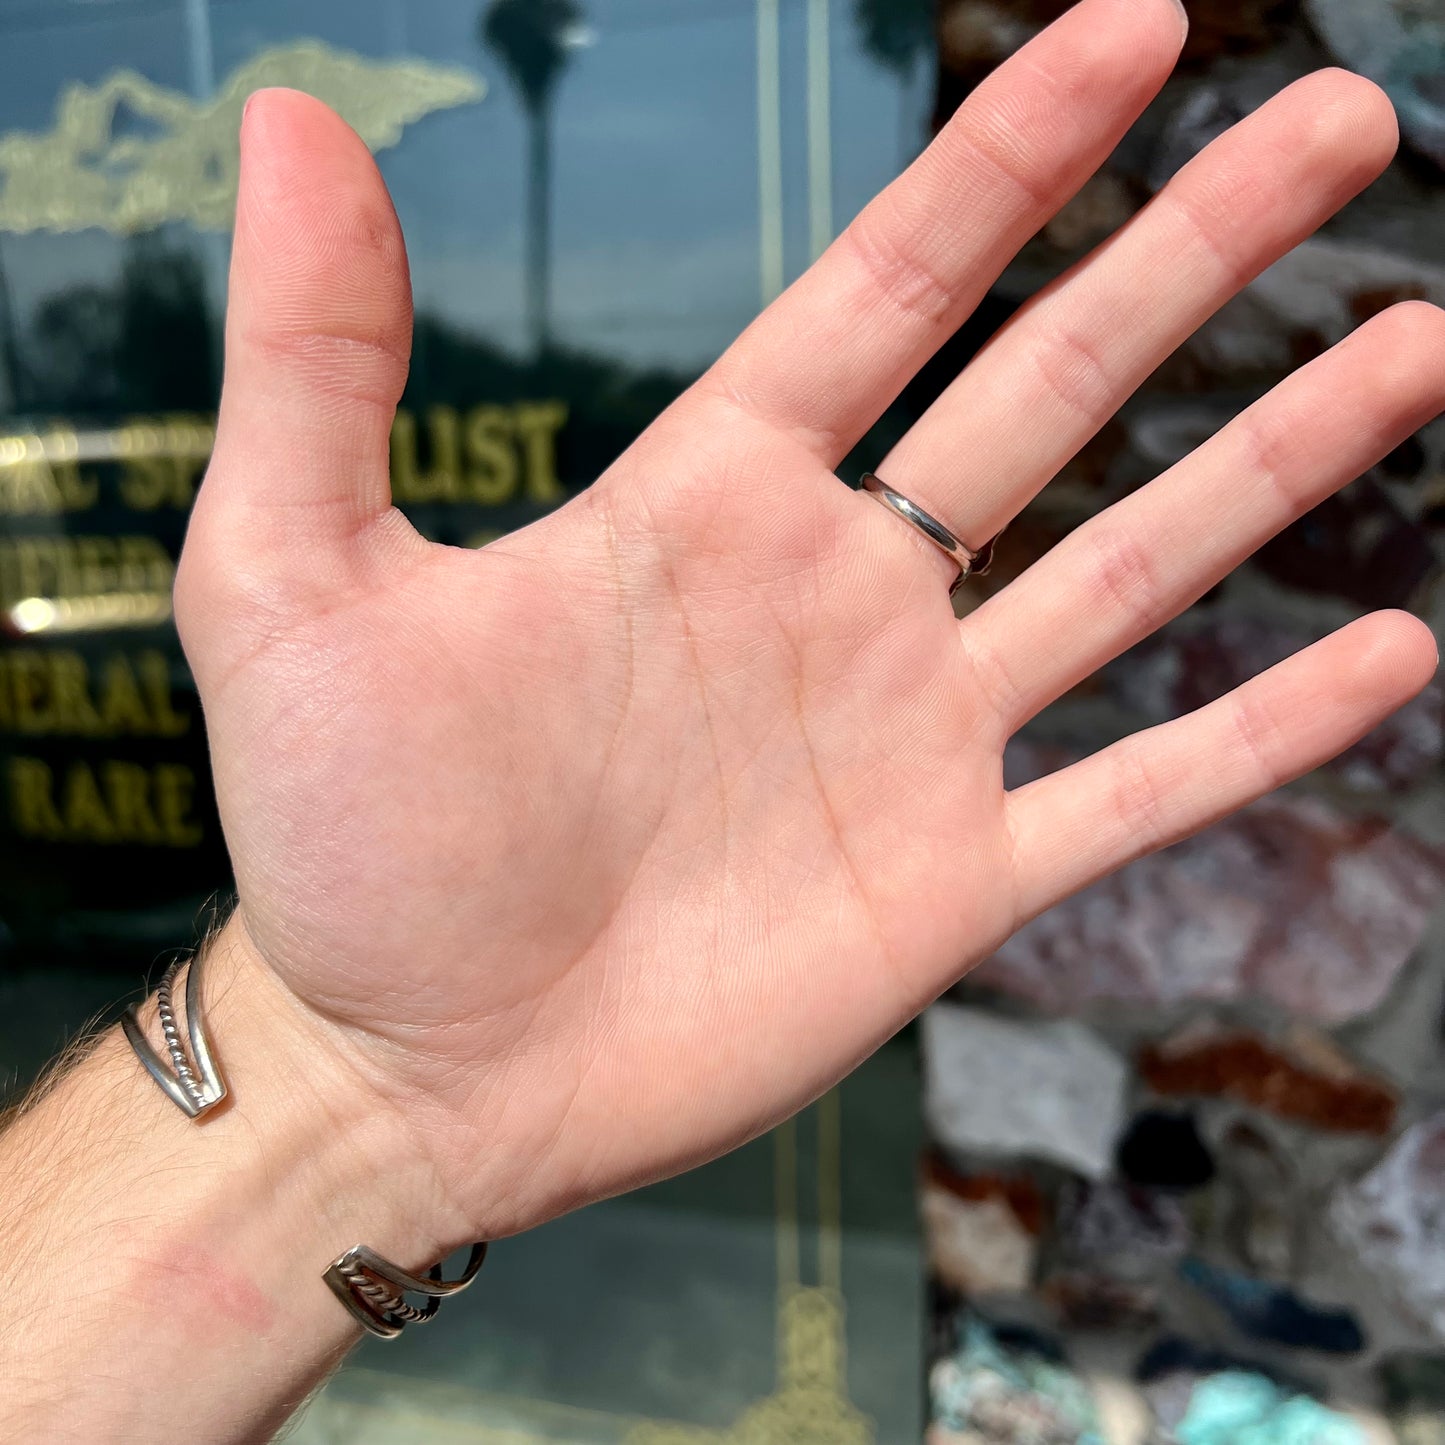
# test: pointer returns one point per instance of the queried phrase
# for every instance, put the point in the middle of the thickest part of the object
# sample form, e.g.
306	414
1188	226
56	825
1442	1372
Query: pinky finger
1159	786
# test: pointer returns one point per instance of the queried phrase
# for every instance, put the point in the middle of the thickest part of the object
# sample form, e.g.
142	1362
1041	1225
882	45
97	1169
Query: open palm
613	843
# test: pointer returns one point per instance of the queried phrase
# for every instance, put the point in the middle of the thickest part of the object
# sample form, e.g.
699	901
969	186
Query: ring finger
1051	377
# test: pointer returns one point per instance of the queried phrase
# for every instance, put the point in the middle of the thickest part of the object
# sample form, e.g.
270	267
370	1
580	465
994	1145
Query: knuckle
1122	569
1271	447
1074	372
332	304
891	259
339	358
1210	206
1261	738
992	140
1139	799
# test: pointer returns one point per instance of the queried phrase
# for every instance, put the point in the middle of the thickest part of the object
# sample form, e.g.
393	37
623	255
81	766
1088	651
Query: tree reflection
11	360
896	32
533	39
144	345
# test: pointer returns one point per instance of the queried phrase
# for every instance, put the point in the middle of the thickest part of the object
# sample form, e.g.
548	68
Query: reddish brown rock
1017	1191
981	1229
1130	1233
1256	1071
1087	1301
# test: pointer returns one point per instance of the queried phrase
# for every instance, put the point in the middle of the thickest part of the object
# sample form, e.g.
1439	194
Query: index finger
825	359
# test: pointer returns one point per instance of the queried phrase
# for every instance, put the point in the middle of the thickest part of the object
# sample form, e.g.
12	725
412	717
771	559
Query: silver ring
970	563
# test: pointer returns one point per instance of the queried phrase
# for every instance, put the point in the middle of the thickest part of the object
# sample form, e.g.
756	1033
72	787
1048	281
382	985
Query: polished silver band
968	562
371	1288
193	1096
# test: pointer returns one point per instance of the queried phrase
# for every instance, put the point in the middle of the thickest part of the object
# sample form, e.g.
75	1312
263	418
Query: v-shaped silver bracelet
191	1095
371	1288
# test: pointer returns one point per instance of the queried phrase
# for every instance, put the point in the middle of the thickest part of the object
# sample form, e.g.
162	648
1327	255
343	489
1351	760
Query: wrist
338	1155
205	1240
305	1157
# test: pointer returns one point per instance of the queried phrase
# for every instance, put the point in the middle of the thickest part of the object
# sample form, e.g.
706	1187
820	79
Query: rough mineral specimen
1271	1312
1175	1357
1132	1233
1006	1394
1212	1063
1312	297
1238	1408
1115	1244
1357	544
1163	1150
1288	901
1394	1218
1009	1089
1414	1379
1414	1388
981	1229
1261	1215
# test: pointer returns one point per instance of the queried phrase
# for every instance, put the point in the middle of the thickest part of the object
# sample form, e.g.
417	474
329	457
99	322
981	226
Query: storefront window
586	233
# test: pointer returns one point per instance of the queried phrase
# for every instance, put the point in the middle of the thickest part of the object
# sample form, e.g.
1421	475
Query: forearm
162	1276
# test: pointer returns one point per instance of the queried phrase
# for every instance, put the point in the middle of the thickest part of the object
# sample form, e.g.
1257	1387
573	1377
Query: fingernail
1183	15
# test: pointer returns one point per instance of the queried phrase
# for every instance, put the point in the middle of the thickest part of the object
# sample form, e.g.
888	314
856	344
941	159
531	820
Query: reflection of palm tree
896	33
11	361
142	345
533	38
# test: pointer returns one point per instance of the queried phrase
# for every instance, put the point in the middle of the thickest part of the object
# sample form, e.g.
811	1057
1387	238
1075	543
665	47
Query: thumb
318	332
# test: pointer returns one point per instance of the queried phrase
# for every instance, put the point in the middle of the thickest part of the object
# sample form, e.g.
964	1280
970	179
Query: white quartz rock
1004	1088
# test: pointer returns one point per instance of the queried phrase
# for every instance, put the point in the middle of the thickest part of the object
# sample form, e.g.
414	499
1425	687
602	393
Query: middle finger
1052	376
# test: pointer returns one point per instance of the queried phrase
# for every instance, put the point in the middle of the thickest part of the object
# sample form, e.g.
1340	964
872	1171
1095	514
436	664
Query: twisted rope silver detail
372	1288
166	1009
193	1082
379	1295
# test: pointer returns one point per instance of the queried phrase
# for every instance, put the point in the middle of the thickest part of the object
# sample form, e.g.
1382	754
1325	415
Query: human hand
607	846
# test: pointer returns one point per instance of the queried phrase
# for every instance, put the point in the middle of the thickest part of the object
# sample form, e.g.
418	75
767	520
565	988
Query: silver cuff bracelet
371	1288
